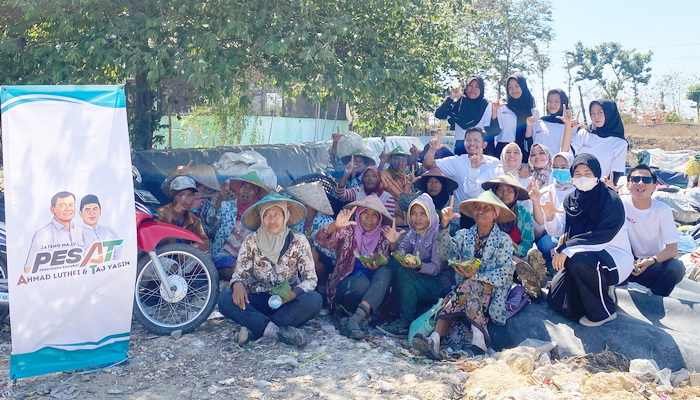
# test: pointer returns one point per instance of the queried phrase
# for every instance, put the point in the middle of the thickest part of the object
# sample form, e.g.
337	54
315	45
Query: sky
669	28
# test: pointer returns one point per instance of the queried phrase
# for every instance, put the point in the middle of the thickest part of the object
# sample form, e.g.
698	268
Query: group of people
452	236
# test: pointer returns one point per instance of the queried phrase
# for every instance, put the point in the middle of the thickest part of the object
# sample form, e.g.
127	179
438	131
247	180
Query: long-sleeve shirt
497	267
259	275
431	263
358	193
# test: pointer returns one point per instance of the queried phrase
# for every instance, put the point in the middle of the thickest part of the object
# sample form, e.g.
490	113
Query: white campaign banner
71	230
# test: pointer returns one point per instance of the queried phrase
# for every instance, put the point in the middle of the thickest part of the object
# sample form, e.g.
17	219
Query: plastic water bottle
274	302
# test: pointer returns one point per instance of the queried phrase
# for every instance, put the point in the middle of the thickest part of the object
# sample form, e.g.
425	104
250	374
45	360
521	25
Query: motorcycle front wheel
194	283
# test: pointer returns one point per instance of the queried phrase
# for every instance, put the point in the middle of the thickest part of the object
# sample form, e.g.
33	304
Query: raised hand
436	141
391	234
530	121
494	108
447	214
350	168
344	218
533	189
414	151
550	209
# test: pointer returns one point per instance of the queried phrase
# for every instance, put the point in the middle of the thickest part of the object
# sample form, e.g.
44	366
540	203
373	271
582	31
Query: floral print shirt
260	275
497	266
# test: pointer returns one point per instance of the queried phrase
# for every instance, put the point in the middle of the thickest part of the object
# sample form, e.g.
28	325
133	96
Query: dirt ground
207	364
667	137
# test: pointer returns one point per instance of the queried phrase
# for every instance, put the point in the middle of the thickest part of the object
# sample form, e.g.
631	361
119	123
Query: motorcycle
177	285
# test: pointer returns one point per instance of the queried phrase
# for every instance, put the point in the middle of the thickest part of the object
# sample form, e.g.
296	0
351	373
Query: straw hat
373	203
312	195
435	172
203	174
520	192
487	197
252	178
251	217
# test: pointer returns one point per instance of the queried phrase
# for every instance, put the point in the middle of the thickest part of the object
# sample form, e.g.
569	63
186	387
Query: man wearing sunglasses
652	234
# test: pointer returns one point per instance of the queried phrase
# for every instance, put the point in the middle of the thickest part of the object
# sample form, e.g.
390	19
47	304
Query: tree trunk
142	113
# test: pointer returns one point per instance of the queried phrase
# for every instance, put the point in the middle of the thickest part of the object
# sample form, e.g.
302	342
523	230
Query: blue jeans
545	244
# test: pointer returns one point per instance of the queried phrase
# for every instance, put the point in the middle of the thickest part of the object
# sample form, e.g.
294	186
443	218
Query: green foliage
694	96
383	57
505	33
673	117
611	67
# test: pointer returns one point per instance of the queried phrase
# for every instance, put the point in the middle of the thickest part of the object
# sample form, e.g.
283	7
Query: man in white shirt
468	170
90	212
652	234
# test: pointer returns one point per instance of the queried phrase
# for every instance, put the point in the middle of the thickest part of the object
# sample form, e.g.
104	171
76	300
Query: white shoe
591	324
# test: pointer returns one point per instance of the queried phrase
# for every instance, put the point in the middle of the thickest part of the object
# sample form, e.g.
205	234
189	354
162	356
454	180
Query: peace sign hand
391	234
533	190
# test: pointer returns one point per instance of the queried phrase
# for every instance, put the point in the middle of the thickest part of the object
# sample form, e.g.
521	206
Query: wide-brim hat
373	203
435	172
204	174
487	197
520	192
364	153
251	216
252	178
312	194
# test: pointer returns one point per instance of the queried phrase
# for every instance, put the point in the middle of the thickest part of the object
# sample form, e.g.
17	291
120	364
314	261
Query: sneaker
291	336
352	329
397	328
242	336
591	324
426	347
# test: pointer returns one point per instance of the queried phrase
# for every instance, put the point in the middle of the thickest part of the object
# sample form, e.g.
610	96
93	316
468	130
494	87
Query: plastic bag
232	164
425	323
350	143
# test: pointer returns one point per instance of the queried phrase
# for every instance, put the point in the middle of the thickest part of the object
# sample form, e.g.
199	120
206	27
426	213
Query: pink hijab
366	241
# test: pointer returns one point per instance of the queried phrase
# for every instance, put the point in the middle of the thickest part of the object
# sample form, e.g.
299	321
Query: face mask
585	183
561	175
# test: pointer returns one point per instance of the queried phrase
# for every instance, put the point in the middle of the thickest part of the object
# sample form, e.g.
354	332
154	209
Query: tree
382	57
504	32
542	62
694	96
612	67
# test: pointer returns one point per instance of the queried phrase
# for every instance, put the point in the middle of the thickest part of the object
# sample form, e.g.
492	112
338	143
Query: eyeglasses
644	179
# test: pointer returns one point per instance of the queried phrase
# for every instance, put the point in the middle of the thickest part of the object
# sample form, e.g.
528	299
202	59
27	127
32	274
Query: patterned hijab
542	175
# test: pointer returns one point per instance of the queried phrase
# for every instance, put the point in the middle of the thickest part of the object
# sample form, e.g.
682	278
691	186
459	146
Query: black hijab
585	210
472	110
564	99
613	122
522	108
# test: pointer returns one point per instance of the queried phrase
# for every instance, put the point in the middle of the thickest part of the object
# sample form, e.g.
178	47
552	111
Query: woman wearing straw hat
319	214
480	296
521	230
438	186
272	260
241	193
361	235
183	190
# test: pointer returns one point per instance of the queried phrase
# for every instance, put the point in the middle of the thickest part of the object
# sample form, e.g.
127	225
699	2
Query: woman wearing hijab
512	164
423	280
514	122
479	297
467	111
436	185
371	184
540	162
272	260
549	199
594	253
549	130
520	230
361	236
604	139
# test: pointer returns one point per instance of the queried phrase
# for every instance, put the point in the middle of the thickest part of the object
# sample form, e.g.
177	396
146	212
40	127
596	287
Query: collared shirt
54	235
99	233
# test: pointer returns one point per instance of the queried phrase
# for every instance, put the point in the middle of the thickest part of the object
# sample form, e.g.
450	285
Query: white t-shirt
469	180
483	122
508	122
650	230
548	134
611	152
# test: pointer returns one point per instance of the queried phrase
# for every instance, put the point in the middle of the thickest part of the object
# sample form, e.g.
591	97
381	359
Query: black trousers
581	288
661	278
